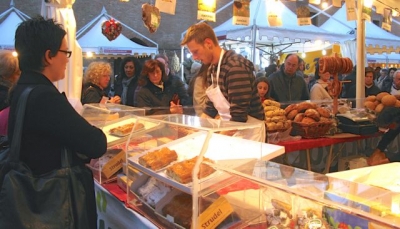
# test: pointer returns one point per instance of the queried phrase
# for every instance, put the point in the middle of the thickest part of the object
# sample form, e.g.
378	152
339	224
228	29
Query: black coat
92	93
130	95
50	124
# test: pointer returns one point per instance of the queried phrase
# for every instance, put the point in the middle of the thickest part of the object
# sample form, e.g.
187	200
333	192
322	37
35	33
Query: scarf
125	83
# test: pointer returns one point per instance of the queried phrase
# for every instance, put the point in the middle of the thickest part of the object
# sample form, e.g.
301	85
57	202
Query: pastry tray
234	153
114	139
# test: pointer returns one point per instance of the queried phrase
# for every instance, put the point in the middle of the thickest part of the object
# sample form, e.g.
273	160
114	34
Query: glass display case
110	117
161	161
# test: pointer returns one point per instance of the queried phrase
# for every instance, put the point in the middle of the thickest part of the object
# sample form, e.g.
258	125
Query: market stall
9	21
93	41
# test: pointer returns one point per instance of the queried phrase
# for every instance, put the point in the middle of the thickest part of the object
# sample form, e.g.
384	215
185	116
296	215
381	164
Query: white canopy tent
289	38
387	58
92	40
9	21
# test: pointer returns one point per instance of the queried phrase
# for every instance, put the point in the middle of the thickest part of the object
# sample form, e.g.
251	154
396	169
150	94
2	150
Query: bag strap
16	141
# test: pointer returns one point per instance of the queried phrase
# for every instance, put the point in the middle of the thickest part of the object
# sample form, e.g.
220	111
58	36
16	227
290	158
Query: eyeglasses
68	53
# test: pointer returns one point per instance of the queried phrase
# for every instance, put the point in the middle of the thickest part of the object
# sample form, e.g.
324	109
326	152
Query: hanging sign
166	6
316	2
303	12
351	10
241	12
366	13
111	29
387	19
206	10
337	3
274	13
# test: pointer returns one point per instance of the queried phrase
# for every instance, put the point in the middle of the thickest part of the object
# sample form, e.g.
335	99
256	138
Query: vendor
390	118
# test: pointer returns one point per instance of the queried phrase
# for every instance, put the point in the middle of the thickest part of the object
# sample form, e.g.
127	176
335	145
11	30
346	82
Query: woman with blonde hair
97	77
9	74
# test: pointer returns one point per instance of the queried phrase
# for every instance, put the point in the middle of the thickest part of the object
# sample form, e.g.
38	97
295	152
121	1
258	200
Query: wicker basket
312	130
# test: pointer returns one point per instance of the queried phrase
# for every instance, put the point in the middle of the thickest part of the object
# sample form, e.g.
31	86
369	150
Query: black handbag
58	199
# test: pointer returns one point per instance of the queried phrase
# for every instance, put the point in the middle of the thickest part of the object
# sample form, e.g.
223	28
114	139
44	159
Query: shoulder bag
58	199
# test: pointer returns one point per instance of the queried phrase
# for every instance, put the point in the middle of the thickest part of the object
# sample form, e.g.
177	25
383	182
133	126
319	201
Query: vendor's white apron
223	107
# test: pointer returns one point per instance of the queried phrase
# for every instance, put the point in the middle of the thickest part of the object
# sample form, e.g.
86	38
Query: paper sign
166	6
206	10
337	3
366	13
215	214
303	12
351	10
241	12
387	19
317	2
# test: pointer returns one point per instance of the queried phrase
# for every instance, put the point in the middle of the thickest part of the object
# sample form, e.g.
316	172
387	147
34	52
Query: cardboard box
112	162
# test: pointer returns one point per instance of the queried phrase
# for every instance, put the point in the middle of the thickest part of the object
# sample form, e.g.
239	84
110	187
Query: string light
323	52
89	54
14	53
368	3
324	4
395	12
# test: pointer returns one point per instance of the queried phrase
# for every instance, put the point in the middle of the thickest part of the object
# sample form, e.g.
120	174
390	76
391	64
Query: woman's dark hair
202	73
316	73
136	63
270	69
149	67
262	79
33	38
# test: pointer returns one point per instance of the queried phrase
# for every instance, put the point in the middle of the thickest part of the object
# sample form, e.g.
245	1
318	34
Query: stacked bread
307	112
381	100
275	118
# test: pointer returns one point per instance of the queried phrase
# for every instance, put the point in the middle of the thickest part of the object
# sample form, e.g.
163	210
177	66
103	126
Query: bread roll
268	119
269	114
379	108
389	100
289	108
299	117
279	112
301	107
323	119
270	108
397	103
279	125
287	124
312	113
323	112
276	104
292	114
370	105
278	118
308	120
271	126
371	98
381	95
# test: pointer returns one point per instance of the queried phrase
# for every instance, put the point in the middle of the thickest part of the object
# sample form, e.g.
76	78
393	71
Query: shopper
197	89
262	87
97	77
126	82
232	93
51	123
285	85
157	91
319	91
9	74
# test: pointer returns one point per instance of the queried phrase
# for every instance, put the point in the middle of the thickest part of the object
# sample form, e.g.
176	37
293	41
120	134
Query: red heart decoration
111	29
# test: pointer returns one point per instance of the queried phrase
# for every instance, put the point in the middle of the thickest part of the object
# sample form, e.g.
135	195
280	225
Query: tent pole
360	77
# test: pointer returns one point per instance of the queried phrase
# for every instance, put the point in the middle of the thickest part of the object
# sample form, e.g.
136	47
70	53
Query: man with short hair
285	85
232	93
370	87
395	86
379	81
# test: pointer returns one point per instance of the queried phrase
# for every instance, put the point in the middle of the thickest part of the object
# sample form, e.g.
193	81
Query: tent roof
376	39
383	58
10	19
91	39
290	32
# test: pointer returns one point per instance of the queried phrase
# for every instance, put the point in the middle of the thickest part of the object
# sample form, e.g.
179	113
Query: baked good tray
115	139
227	152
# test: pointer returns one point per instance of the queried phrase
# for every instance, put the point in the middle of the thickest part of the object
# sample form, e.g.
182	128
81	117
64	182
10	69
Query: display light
323	52
303	55
368	3
89	54
15	54
395	12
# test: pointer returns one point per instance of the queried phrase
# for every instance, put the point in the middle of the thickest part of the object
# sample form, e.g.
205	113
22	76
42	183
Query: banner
206	10
303	12
241	12
351	10
387	19
166	6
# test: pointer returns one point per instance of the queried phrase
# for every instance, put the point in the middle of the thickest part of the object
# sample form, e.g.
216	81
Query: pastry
308	120
371	98
292	114
381	95
158	159
312	113
370	105
278	119
289	108
389	100
126	129
323	112
270	108
299	117
379	108
182	171
301	107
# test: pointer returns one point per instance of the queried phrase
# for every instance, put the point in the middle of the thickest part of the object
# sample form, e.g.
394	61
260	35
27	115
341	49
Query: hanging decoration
151	17
387	20
206	10
174	64
351	10
337	3
111	29
274	12
303	13
241	12
166	6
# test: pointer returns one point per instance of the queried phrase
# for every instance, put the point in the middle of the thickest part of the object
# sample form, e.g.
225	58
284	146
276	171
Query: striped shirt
236	82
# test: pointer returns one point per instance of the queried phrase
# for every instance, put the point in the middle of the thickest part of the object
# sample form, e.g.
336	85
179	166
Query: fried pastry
158	159
182	171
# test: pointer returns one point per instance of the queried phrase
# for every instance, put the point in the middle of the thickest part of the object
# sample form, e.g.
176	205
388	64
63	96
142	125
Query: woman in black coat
51	123
127	81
